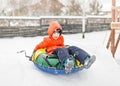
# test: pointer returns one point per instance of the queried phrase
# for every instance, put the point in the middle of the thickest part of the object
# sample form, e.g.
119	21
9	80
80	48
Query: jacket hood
54	25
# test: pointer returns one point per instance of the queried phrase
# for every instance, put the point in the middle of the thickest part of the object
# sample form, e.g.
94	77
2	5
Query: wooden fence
36	26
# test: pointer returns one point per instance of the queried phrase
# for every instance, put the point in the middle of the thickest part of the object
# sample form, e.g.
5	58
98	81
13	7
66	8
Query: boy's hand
66	46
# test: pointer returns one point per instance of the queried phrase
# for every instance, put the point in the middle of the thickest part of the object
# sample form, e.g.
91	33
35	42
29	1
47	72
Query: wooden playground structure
115	25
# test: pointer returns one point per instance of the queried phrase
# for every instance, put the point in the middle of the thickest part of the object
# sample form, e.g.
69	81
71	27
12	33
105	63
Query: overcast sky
106	3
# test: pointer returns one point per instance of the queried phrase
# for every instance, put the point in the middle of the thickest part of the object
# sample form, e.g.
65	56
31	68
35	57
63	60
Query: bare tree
23	7
51	7
19	8
55	9
44	7
95	7
74	8
12	5
35	9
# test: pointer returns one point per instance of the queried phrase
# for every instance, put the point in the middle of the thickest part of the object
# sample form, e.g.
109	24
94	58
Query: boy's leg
82	56
78	53
64	58
62	54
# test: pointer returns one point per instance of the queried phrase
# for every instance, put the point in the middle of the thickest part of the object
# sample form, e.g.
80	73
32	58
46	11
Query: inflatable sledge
50	63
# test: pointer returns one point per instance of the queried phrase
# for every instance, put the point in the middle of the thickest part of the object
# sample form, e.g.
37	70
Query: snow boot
69	64
89	61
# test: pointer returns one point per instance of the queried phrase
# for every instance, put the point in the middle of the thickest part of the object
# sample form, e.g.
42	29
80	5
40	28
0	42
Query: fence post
83	27
40	20
8	22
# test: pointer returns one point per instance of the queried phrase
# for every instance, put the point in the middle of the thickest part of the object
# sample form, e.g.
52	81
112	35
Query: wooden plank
115	25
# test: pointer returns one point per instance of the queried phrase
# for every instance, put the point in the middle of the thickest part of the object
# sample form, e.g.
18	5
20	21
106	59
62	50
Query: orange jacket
48	42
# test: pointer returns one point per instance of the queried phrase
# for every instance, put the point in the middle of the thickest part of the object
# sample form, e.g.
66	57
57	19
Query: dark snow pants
62	54
78	53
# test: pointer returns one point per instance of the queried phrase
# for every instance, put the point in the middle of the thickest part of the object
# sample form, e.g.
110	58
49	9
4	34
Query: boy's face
55	35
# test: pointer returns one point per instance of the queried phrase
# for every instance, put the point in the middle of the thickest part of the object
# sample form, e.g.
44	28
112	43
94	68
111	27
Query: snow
17	70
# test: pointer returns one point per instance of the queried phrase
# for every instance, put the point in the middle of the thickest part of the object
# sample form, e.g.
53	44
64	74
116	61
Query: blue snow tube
57	71
50	63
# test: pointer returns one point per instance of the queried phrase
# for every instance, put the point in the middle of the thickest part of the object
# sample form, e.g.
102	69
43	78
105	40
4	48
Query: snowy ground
16	70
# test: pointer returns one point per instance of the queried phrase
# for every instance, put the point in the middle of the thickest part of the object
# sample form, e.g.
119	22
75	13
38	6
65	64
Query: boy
54	44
